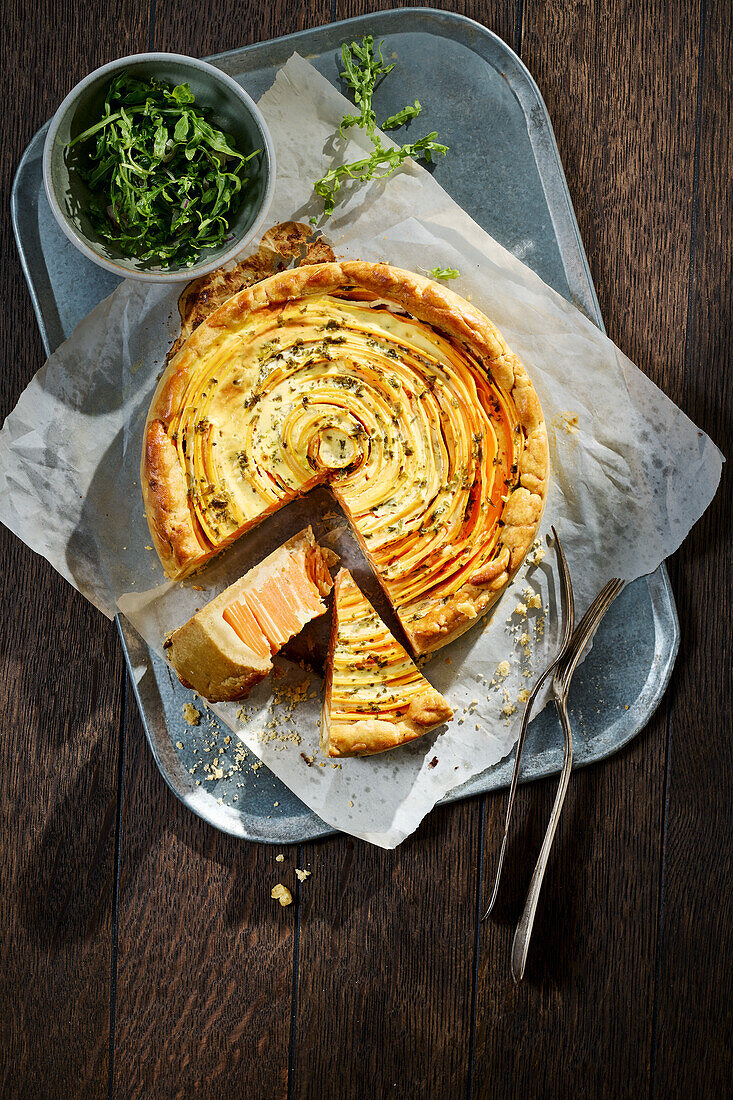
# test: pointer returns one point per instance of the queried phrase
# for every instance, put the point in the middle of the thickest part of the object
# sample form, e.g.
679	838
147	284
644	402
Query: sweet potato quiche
396	393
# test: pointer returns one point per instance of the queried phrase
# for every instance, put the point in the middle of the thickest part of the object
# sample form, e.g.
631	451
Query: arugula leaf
363	69
164	181
402	116
444	273
183	94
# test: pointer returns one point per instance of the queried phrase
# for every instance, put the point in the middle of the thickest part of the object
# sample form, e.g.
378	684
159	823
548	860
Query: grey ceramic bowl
231	109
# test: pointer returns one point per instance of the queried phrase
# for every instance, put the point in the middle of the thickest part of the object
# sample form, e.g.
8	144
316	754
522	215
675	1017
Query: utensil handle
523	934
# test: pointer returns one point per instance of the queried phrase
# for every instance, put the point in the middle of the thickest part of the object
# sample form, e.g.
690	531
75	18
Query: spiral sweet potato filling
370	671
419	445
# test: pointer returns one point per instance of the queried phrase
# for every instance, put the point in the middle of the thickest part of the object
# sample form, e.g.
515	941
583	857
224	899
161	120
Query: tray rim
658	584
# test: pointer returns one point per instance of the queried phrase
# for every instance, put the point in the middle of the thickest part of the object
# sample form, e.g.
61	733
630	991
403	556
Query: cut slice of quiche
226	648
376	697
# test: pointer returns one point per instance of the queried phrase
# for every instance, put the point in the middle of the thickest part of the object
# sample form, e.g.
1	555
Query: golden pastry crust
376	697
184	544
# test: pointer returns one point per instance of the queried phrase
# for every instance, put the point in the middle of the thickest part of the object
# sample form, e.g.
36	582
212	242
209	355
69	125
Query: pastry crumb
503	669
509	708
279	857
282	894
191	714
302	875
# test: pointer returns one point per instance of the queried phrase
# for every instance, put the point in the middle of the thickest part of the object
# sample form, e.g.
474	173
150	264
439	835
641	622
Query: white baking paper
631	474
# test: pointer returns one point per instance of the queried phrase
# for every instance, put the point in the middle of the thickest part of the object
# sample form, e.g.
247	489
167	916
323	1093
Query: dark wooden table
142	955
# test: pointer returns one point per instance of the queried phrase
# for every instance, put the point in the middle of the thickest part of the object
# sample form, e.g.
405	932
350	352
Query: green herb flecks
164	181
363	69
444	273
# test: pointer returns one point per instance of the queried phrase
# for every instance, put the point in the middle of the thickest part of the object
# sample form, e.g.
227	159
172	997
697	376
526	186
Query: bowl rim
181	274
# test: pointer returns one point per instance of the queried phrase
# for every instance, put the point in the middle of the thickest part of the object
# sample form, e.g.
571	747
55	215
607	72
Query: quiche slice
376	697
392	390
226	648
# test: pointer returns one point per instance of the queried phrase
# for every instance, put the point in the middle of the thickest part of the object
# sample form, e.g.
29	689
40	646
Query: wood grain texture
62	670
205	955
586	1008
229	24
695	994
387	949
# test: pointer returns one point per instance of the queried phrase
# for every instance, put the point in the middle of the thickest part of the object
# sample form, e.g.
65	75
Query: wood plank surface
694	987
131	928
387	951
205	956
62	669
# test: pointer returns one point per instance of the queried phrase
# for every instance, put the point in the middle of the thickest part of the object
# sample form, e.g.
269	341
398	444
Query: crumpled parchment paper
631	474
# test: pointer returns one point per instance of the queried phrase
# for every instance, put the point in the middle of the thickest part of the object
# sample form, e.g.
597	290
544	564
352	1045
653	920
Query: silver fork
560	685
569	622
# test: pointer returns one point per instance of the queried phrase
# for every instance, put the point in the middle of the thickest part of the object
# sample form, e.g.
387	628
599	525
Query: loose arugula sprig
369	168
164	181
444	273
363	69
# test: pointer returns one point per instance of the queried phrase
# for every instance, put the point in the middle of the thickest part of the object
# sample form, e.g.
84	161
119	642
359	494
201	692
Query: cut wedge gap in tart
226	648
376	697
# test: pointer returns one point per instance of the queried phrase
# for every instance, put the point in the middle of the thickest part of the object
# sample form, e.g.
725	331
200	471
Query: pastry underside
393	391
376	697
226	648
